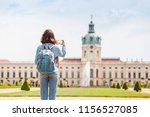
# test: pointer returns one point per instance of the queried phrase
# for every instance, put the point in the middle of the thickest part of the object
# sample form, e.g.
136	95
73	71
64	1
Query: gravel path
11	90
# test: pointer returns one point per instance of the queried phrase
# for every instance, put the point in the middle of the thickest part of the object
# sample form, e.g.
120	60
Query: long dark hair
48	37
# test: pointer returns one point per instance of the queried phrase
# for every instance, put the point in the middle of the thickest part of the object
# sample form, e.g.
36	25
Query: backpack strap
51	47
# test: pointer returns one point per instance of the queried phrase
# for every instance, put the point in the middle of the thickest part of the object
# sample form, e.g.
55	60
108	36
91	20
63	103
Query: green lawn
83	92
5	87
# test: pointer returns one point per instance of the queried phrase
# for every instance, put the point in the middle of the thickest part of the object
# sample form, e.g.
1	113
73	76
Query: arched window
91	82
25	74
97	83
91	73
72	74
14	75
2	74
66	74
96	73
60	74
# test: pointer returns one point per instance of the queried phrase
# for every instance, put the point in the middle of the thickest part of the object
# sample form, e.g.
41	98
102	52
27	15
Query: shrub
17	83
61	85
114	85
125	86
118	86
25	86
137	86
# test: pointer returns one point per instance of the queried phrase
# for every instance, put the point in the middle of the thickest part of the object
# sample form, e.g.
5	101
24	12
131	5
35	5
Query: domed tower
91	45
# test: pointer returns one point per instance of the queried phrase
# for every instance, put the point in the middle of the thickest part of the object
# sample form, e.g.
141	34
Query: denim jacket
55	49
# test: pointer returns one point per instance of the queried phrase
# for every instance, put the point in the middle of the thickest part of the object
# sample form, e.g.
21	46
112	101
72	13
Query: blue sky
124	26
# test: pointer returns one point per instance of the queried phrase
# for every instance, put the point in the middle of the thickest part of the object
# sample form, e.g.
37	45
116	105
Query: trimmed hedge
25	85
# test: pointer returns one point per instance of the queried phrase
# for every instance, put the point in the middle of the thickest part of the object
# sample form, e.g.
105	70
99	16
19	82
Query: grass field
83	92
5	87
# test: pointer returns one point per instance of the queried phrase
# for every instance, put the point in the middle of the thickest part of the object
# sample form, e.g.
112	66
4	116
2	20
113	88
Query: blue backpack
45	60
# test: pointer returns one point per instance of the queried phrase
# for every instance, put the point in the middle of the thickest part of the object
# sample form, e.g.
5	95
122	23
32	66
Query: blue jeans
48	81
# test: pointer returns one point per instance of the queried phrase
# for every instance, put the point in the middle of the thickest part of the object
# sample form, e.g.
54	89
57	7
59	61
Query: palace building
102	71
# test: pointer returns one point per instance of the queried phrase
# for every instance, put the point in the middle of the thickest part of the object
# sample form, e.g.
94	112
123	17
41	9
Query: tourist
49	77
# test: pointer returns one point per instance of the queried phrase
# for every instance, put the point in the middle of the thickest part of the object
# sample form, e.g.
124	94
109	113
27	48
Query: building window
134	75
66	67
97	54
122	75
97	83
72	82
2	67
121	67
20	74
37	74
116	68
116	75
129	67
14	82
2	74
60	74
7	74
19	67
146	75
14	75
139	75
25	74
96	73
72	74
31	74
122	82
129	75
14	67
25	67
78	74
91	73
91	47
146	67
66	74
72	67
78	67
31	67
84	53
91	82
109	67
103	67
7	67
78	82
1	81
110	75
60	67
104	75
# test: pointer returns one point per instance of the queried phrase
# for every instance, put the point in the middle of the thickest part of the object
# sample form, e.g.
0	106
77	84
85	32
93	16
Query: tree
118	86
114	85
125	86
25	85
17	83
61	85
137	86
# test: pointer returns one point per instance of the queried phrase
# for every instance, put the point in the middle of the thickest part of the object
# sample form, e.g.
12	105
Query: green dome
91	37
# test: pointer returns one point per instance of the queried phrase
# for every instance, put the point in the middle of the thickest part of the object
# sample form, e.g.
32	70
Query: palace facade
103	71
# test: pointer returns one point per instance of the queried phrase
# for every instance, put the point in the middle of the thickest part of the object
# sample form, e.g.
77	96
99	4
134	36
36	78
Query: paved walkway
11	90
